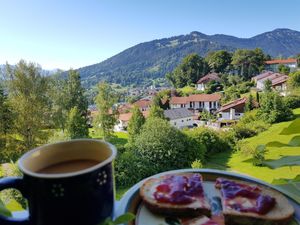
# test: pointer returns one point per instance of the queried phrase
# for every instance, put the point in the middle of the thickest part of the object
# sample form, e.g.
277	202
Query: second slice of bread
199	207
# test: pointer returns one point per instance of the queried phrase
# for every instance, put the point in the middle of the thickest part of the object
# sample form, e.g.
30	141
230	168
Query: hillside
153	59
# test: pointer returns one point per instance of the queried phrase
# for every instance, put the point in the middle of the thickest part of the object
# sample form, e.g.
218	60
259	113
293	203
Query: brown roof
233	104
280	80
125	108
143	103
204	98
209	77
263	75
196	98
125	117
178	100
281	61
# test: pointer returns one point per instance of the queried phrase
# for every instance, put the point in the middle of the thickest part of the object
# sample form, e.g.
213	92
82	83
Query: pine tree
5	114
76	124
157	112
75	98
107	117
135	124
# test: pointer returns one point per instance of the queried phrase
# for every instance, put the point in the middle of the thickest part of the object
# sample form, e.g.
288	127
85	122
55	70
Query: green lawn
241	162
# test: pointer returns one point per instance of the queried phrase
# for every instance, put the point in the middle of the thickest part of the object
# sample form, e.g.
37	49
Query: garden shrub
259	155
130	169
250	125
292	102
166	147
210	138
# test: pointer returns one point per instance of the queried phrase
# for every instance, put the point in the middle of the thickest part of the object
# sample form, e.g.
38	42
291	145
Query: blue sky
76	33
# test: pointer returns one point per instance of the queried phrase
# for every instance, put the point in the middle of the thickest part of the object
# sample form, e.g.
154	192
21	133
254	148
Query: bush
292	102
211	139
272	108
166	147
130	169
250	125
259	155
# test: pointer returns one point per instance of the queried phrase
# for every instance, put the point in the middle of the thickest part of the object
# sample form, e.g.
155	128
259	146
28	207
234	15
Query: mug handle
17	183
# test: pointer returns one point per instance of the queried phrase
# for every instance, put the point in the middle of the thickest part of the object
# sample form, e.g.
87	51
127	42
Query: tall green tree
248	63
76	124
268	85
249	103
107	117
75	98
6	118
294	80
75	93
59	100
219	61
298	60
188	71
135	124
273	109
156	112
30	101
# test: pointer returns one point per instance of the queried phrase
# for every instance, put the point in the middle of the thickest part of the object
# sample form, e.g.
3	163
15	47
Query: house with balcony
202	82
233	110
199	102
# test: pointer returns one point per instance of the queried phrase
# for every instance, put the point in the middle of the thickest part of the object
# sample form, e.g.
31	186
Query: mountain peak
153	59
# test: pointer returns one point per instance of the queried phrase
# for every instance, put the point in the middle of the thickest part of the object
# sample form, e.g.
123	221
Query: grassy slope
241	163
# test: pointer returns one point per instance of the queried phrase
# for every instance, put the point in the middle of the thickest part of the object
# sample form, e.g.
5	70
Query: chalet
180	117
199	102
143	104
279	81
232	110
202	83
124	119
273	64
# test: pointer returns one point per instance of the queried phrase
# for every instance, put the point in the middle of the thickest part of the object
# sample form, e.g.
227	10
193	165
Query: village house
279	81
202	83
143	104
179	117
199	102
233	110
273	64
123	120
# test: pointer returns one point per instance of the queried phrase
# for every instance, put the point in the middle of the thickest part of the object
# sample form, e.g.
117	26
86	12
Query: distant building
233	110
123	120
279	80
199	102
180	117
143	104
273	64
202	83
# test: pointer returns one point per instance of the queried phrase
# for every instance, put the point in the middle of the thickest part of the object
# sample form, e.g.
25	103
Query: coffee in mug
66	183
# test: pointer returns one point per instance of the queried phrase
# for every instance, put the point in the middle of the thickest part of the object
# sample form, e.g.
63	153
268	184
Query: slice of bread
280	214
199	206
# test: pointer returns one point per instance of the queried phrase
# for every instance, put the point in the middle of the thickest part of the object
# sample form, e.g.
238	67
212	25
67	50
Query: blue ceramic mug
67	183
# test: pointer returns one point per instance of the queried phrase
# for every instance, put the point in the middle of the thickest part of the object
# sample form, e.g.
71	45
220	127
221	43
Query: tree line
33	107
243	62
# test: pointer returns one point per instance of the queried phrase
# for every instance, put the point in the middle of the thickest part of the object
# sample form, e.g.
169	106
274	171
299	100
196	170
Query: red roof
233	104
209	77
178	100
281	61
143	103
196	98
125	117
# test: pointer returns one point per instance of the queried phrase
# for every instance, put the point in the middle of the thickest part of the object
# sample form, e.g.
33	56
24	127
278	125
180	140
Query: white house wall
182	122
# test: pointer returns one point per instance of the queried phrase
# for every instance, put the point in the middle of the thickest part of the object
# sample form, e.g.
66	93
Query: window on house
175	123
